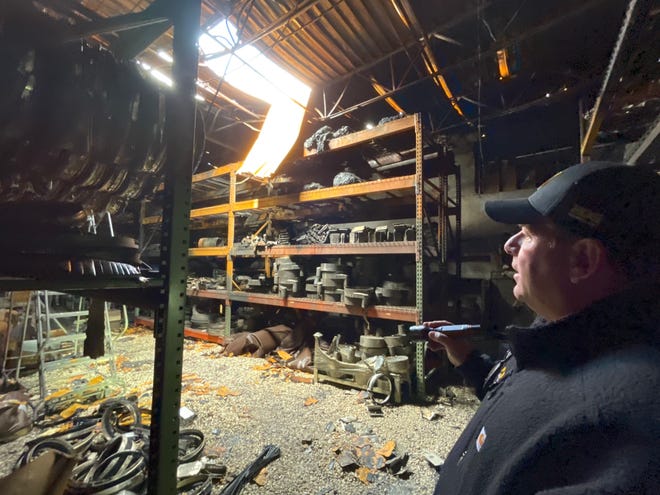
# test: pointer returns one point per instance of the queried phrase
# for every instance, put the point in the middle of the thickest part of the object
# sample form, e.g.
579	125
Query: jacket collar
620	320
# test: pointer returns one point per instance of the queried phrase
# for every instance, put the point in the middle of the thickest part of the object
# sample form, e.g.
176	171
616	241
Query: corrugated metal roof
434	56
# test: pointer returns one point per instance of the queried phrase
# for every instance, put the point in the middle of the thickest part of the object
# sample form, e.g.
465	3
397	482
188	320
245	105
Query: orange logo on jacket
481	438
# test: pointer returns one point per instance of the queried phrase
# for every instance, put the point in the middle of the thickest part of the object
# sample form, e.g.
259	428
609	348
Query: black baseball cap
616	203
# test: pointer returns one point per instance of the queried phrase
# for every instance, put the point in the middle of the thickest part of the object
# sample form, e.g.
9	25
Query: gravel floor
243	404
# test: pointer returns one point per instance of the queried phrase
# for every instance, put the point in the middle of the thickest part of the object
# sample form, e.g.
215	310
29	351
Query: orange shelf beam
192	333
398	313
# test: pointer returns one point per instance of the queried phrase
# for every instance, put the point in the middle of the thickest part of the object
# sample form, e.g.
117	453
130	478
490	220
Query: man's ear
587	257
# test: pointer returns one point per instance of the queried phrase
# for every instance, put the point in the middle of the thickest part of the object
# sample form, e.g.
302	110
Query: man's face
541	261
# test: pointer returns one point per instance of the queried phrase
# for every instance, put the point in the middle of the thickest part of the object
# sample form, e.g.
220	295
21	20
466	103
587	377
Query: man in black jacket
574	407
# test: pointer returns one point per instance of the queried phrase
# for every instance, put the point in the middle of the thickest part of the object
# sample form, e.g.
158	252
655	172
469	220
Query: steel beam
638	148
399	247
169	317
635	15
398	313
383	185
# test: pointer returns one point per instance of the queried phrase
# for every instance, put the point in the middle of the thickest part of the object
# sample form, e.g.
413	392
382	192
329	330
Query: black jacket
573	409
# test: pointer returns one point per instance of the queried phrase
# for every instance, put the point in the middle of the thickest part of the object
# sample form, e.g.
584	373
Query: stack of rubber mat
76	124
112	452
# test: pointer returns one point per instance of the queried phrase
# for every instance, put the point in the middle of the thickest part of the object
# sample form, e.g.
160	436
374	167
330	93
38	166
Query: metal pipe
635	14
409	161
282	21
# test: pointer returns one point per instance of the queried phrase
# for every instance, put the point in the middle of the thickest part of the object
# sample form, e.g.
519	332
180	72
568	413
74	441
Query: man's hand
457	348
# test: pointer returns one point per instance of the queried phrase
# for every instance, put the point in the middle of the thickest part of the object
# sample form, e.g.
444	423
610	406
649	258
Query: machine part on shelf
249	245
206	283
281	238
198	319
317	140
390	118
344	178
312	186
361	233
358	296
260	284
403	232
381	233
328	367
331	295
288	277
393	293
339	236
217	328
310	288
315	234
211	241
330	281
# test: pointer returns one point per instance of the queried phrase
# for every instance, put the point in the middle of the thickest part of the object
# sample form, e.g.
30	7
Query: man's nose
511	246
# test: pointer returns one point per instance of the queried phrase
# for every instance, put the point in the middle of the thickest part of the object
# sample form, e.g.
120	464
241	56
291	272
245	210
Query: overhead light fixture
503	63
250	71
508	61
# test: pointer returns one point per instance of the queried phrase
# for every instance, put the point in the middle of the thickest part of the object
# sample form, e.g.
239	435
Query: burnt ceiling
579	76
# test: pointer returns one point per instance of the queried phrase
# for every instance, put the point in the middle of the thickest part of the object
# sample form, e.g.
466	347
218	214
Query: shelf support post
169	318
419	252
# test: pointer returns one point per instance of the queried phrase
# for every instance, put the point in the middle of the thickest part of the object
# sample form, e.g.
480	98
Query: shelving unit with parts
423	192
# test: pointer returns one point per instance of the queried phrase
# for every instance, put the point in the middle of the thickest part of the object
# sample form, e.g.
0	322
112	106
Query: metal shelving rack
166	293
416	184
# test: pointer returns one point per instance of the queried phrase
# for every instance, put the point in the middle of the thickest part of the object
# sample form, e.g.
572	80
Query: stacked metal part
288	277
76	125
81	135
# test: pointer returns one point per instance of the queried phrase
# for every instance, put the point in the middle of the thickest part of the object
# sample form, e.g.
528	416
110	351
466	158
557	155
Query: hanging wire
514	16
479	129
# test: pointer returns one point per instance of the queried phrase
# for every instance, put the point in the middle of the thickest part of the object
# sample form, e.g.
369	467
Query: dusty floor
243	404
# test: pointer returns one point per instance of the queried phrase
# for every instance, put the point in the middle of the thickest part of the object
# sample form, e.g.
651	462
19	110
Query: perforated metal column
169	321
419	254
